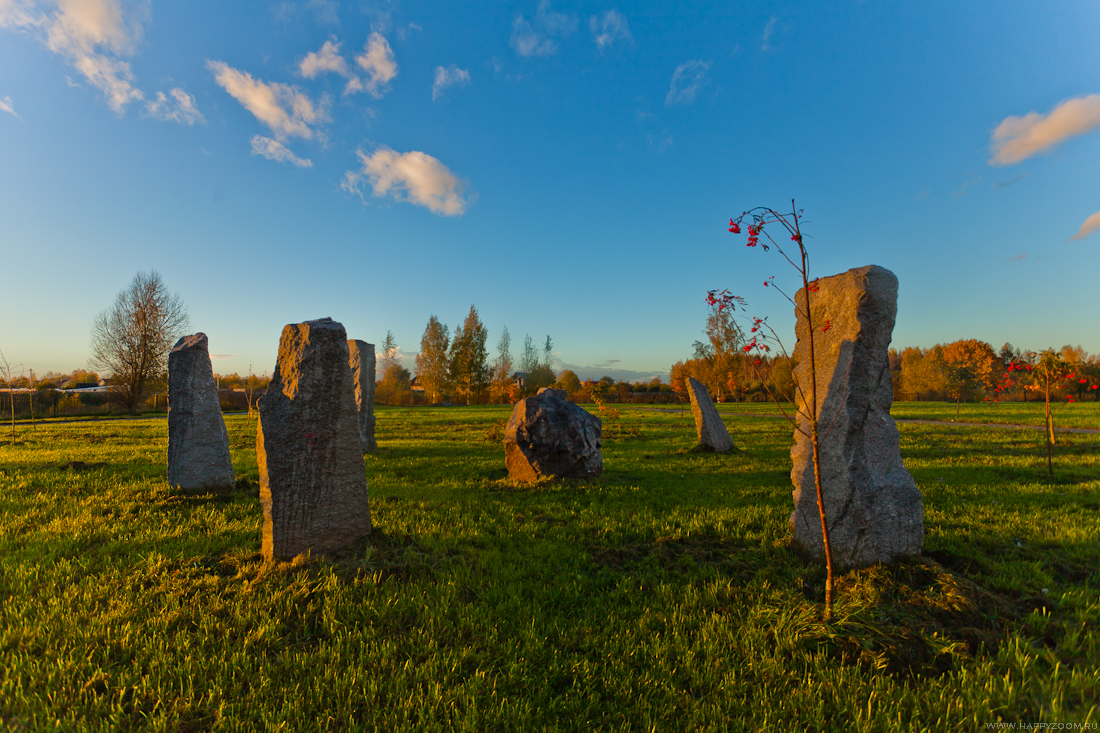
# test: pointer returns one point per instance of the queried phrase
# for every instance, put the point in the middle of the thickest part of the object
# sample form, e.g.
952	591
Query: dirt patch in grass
80	466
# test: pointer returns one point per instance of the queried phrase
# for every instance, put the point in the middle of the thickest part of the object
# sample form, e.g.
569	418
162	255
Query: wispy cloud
687	80
609	28
324	12
1091	225
285	109
176	106
966	184
998	185
378	61
5	106
1018	138
526	42
329	60
448	77
406	31
765	39
415	177
535	39
91	35
1018	258
275	150
559	24
224	356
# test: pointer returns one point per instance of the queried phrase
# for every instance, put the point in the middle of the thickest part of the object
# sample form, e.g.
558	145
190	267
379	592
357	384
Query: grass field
662	596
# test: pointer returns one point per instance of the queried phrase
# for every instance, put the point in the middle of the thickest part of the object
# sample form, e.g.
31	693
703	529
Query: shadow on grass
915	618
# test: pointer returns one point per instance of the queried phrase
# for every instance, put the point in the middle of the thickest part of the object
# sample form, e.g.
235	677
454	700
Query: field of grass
661	596
1075	415
1066	415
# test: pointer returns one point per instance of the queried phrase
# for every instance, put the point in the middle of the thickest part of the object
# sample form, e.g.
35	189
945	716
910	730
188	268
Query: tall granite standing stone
313	484
362	376
198	445
872	505
548	436
713	435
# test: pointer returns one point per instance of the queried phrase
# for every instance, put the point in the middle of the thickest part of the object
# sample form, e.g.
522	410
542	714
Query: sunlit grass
661	596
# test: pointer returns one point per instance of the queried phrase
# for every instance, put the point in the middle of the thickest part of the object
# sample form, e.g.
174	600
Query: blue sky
569	168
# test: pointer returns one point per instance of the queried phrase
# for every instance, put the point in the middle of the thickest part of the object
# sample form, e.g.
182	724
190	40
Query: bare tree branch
132	338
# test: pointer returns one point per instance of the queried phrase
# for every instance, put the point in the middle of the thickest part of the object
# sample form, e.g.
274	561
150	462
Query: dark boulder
551	437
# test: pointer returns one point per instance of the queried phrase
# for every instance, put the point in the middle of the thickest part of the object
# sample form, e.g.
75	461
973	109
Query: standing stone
550	436
198	445
313	484
872	505
713	435
362	376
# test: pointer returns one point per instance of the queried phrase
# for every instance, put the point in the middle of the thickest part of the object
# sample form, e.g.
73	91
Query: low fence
62	403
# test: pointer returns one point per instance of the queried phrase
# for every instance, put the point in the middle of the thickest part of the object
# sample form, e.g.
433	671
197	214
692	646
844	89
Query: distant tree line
970	370
458	368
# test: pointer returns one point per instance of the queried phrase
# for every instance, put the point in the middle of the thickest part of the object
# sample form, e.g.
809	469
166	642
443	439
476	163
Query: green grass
1066	415
662	596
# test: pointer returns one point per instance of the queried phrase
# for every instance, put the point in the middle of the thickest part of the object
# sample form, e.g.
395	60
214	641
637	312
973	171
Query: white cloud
1091	225
180	108
5	106
19	14
285	109
1017	138
687	80
414	177
449	77
275	150
327	59
377	60
527	41
90	35
611	27
765	41
112	77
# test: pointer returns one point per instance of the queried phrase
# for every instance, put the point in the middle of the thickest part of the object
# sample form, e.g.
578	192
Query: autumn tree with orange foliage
972	367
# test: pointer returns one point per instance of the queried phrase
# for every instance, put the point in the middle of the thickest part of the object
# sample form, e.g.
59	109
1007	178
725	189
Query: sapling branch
756	220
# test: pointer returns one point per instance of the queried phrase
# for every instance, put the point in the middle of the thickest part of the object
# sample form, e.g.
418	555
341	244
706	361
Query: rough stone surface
873	507
361	355
549	436
561	394
313	484
198	445
713	435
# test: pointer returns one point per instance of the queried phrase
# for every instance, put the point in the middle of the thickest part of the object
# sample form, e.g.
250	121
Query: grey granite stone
313	483
872	505
361	356
713	435
198	445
